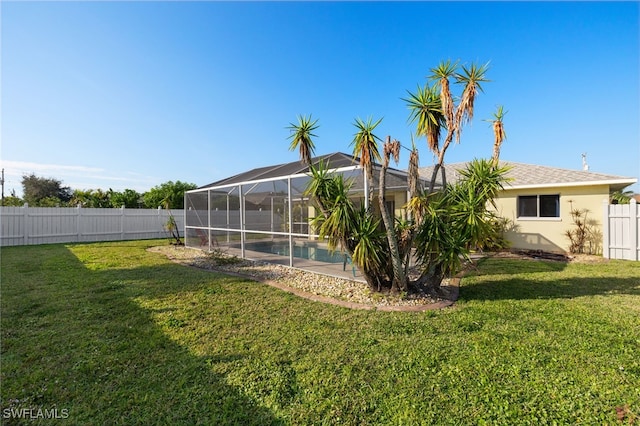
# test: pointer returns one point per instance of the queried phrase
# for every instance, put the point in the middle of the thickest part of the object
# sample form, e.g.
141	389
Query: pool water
310	252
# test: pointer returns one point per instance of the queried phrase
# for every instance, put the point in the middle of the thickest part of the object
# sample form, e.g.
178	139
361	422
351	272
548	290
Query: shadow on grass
501	279
74	339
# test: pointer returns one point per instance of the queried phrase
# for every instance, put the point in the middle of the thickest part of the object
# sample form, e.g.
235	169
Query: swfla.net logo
35	413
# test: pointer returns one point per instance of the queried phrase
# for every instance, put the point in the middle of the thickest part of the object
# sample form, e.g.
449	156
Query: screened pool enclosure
264	214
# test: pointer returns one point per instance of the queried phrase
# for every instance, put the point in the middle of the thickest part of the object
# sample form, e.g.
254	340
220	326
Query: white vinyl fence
621	226
45	225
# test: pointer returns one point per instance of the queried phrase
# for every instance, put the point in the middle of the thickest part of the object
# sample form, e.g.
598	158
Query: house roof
535	176
333	161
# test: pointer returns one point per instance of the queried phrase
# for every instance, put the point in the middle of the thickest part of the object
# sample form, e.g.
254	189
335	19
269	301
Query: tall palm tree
301	135
365	146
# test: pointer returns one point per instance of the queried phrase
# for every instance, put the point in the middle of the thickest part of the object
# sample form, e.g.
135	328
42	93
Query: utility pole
2	183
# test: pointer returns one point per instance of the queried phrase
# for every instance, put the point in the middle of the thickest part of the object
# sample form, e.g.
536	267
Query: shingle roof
335	160
534	176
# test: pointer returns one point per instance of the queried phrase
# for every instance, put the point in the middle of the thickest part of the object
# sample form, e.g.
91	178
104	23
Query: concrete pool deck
338	270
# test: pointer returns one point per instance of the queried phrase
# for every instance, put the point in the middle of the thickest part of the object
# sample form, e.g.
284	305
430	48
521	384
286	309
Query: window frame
547	199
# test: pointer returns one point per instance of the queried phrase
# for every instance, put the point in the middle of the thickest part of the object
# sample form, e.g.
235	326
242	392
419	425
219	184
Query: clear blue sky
132	94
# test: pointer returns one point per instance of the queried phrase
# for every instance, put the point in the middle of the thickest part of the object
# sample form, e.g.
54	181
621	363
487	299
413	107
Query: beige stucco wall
549	233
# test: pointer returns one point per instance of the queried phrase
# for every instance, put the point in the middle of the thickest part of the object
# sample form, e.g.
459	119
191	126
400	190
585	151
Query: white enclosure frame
241	229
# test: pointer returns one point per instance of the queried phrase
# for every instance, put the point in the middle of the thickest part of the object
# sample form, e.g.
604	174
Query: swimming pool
310	251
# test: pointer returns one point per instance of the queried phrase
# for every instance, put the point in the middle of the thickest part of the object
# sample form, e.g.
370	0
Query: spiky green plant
470	77
365	146
499	134
425	108
301	137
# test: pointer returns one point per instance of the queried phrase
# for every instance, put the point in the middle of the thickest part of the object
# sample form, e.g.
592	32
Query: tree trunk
399	281
373	282
431	281
434	176
369	177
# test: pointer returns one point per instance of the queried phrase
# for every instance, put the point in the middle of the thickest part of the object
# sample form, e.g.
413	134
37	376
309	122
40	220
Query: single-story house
267	209
538	201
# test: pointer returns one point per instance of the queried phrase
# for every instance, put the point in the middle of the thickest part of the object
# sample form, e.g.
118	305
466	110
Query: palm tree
365	146
301	135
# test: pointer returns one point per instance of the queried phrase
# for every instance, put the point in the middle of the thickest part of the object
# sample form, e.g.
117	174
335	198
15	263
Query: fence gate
621	224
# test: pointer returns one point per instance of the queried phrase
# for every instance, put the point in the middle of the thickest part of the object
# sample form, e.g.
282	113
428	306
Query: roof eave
611	182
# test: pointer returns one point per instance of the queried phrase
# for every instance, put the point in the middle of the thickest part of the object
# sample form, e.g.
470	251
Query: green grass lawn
113	334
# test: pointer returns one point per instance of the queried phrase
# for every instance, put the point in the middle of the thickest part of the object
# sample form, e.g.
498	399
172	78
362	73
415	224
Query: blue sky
132	94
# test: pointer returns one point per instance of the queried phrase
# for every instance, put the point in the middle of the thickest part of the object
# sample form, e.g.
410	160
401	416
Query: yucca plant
352	231
370	251
441	227
441	74
365	146
447	116
456	220
499	134
301	137
425	107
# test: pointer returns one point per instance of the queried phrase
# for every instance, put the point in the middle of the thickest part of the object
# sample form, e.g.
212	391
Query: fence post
78	224
633	229
606	243
25	224
122	223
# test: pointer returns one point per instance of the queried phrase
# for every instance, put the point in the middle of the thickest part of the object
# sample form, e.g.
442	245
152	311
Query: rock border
453	291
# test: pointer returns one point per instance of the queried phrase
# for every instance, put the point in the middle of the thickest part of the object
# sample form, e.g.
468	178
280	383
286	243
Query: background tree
170	191
91	198
13	200
128	198
45	192
620	197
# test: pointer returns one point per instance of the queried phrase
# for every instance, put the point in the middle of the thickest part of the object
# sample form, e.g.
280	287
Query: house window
539	206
